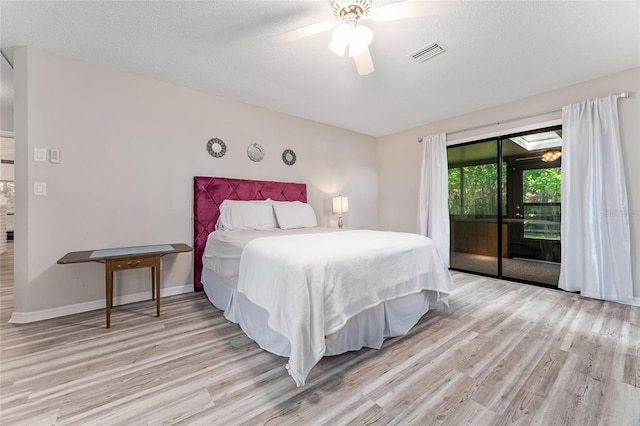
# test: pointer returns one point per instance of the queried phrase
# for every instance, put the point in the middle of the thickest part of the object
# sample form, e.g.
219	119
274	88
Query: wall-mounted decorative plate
289	157
255	152
216	147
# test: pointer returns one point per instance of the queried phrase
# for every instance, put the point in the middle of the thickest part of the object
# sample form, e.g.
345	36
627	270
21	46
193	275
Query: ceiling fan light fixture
361	37
347	32
340	39
357	37
341	8
551	155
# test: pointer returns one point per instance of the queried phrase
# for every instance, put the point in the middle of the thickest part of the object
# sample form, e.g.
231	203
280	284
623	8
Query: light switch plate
40	154
54	156
39	188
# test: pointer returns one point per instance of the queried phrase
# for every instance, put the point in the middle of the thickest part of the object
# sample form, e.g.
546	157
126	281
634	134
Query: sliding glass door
504	206
534	179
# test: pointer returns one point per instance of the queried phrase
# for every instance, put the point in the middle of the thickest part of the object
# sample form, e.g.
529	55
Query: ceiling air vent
428	51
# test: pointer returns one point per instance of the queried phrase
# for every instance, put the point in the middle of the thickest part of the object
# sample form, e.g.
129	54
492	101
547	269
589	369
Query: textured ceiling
497	52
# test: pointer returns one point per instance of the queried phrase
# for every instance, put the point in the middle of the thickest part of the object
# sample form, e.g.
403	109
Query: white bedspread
224	248
312	284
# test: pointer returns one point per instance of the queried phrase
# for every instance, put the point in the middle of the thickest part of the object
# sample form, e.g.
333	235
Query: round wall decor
255	152
289	157
216	147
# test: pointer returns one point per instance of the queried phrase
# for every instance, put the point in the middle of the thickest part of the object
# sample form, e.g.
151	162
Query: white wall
399	155
130	147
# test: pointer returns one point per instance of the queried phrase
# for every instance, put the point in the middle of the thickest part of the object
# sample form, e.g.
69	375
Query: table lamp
340	205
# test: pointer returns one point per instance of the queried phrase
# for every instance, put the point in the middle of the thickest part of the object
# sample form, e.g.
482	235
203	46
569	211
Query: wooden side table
123	258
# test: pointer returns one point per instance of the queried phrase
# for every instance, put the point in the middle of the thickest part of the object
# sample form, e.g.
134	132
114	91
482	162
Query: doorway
7	190
505	207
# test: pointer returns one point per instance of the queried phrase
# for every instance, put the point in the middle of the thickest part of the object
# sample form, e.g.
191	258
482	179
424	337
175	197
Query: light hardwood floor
503	353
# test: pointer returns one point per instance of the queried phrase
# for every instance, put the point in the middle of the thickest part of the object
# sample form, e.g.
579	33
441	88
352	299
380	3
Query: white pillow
294	214
252	215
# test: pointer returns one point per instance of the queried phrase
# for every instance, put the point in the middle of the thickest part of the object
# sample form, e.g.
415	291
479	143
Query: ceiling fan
349	31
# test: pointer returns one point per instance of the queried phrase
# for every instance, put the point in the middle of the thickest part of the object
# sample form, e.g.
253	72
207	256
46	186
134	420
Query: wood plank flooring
503	353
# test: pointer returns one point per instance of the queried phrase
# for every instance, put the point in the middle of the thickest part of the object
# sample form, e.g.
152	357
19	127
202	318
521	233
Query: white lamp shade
340	39
340	204
357	37
360	39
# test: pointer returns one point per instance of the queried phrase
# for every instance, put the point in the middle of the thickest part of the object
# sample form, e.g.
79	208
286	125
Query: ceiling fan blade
303	32
409	9
364	63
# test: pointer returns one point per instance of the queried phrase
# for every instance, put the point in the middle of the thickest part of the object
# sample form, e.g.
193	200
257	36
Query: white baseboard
26	317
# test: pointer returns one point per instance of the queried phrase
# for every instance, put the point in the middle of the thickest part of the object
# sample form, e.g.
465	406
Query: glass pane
541	194
480	189
541	185
532	217
542	222
473	207
504	189
455	191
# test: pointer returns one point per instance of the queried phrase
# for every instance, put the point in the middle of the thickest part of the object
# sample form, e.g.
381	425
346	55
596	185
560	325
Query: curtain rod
497	123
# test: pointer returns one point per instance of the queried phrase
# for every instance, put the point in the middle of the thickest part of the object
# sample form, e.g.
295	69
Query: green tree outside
473	191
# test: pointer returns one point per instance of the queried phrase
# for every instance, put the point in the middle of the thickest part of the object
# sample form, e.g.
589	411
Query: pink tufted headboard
210	192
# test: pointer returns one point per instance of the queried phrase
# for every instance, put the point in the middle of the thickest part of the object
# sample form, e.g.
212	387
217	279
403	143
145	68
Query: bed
302	291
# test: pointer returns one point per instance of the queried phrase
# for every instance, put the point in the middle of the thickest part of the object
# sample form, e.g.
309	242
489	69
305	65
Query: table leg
109	291
156	279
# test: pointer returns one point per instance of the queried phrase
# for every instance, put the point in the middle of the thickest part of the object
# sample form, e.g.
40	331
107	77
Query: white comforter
312	284
224	248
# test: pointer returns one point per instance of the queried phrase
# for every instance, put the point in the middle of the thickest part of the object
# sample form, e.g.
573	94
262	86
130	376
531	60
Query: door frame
510	202
519	245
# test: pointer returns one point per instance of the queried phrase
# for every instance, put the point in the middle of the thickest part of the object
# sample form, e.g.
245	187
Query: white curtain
596	248
433	206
